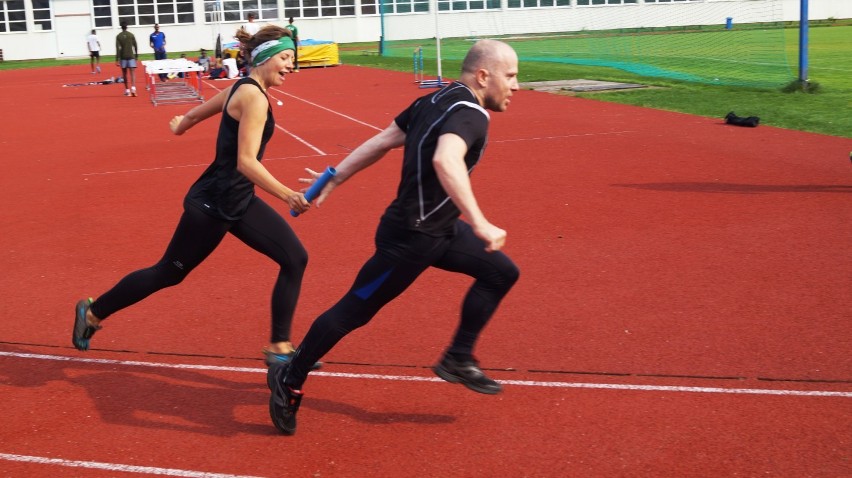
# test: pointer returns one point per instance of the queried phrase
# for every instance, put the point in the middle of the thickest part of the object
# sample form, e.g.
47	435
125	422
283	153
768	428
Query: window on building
540	3
583	3
461	5
301	8
102	13
326	8
337	8
42	15
151	12
13	18
264	10
267	10
238	10
369	7
403	6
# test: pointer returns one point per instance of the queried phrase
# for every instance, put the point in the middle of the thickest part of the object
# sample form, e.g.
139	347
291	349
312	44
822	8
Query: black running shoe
272	357
284	401
467	373
82	331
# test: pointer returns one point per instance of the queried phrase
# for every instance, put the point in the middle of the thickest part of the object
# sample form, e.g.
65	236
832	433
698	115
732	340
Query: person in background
242	64
216	69
250	26
126	54
204	61
157	41
94	51
230	66
295	31
182	74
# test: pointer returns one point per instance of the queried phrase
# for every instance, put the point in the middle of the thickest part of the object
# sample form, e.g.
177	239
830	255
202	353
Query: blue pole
382	28
803	41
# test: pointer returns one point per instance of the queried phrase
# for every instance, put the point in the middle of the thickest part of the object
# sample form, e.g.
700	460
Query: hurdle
417	60
184	85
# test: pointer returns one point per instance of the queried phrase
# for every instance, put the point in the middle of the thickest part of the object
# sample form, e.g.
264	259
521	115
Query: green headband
267	50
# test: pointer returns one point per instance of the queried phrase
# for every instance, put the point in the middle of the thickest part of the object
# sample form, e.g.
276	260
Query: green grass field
747	57
830	67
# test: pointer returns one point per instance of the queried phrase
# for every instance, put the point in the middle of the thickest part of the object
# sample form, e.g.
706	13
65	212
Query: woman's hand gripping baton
316	187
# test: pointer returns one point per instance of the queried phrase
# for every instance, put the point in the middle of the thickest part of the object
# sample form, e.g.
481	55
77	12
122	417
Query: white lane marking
117	467
204	165
290	133
577	135
413	378
329	110
321	153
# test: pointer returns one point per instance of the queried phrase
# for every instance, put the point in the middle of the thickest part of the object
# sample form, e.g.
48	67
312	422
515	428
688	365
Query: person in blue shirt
157	41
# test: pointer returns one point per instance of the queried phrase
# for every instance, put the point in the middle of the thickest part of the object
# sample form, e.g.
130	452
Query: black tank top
222	191
421	203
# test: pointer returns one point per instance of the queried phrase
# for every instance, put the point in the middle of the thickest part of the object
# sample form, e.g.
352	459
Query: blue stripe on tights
366	291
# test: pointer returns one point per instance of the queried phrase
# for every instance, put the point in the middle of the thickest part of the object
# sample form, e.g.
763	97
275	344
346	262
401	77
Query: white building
34	29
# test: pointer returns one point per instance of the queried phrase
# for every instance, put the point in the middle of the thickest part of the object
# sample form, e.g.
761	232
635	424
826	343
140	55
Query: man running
444	134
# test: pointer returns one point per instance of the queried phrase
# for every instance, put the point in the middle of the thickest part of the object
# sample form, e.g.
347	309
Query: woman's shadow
177	399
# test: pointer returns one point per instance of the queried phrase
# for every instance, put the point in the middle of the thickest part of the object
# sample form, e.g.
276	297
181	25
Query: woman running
223	200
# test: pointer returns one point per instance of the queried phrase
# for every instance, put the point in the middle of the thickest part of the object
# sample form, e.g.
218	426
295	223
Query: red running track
683	308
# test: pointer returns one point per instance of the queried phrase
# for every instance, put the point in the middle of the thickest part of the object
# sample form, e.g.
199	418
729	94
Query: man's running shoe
272	357
82	330
467	373
284	401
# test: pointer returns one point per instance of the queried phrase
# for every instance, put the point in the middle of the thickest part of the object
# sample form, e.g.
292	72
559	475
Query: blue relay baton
316	187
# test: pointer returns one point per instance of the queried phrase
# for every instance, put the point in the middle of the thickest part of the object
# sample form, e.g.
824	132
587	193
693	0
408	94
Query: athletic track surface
683	309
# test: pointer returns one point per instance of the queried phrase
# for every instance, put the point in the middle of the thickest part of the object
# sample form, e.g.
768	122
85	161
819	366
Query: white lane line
329	110
117	467
291	134
299	139
141	170
413	378
204	165
542	138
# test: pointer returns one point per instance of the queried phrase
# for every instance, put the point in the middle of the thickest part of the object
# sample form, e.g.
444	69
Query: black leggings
196	236
400	257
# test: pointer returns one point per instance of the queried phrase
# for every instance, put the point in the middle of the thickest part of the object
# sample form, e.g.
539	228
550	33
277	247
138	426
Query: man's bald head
490	70
485	54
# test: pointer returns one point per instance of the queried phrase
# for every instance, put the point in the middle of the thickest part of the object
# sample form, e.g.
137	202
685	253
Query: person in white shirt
230	66
250	26
94	52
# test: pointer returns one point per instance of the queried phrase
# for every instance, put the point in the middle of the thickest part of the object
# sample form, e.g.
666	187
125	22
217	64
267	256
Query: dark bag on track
732	118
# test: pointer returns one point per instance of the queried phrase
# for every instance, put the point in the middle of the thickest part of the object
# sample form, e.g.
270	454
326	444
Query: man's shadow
371	417
177	399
